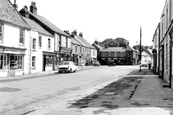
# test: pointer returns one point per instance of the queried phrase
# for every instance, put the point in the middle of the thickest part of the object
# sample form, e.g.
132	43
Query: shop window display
16	62
49	60
3	61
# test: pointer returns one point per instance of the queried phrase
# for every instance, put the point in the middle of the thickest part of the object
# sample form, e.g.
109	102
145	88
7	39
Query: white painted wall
69	43
93	53
11	35
38	53
27	56
11	39
63	41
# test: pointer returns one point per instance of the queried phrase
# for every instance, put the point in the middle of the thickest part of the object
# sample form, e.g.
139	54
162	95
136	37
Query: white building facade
14	50
15	42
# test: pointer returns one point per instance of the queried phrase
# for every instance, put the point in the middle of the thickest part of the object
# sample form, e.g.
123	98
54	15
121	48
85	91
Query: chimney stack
15	5
81	34
24	12
75	32
33	8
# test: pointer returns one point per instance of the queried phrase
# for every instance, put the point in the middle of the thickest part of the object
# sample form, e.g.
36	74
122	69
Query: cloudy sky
101	19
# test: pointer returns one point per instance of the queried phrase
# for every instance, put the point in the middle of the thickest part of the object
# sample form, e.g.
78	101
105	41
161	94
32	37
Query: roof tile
49	24
9	14
36	26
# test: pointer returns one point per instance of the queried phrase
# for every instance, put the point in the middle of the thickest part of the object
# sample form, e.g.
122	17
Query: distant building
120	55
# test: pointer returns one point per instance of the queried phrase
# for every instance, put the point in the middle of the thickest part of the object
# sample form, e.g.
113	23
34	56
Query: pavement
41	74
150	89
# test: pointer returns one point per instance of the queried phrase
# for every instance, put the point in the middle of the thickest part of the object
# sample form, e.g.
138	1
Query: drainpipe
170	76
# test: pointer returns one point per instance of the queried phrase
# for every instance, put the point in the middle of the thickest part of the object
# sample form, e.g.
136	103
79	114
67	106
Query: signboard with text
15	51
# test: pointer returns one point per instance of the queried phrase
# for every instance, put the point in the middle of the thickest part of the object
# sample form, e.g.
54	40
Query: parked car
144	63
67	66
96	63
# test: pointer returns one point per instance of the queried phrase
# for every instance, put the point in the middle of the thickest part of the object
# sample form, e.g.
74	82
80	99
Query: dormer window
21	39
1	33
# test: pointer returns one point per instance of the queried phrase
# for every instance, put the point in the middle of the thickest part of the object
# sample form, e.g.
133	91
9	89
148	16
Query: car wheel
70	71
75	70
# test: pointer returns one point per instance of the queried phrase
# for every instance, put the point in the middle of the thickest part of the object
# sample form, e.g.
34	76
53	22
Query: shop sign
10	50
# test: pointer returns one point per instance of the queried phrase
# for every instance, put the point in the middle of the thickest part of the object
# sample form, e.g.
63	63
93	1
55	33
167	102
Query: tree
122	42
118	42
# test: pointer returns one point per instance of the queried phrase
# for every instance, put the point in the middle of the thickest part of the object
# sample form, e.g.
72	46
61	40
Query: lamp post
140	51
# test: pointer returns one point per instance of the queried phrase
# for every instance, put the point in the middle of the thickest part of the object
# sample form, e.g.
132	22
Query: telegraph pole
140	48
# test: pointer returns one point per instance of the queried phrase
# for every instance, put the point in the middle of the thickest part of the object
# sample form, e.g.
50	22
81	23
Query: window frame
21	36
60	41
66	42
33	62
49	44
2	32
75	48
33	44
40	41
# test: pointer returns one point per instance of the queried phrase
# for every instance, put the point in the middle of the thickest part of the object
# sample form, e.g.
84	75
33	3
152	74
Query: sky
102	19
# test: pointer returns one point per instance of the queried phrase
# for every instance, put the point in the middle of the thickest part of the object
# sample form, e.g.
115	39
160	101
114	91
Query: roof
86	42
80	41
98	46
49	24
36	26
128	48
10	15
112	49
74	41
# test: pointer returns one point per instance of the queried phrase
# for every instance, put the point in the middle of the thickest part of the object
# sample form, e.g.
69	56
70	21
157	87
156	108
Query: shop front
48	61
11	61
75	59
65	54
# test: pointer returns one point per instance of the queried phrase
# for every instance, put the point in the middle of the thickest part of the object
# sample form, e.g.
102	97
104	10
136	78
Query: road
29	95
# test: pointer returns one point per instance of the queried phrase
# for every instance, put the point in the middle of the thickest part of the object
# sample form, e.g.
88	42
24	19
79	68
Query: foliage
118	42
143	48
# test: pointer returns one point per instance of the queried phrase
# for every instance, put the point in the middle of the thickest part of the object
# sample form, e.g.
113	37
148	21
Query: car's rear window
65	63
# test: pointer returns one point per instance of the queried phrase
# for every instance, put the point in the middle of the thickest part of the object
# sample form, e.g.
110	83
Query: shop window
40	41
21	39
49	42
1	32
33	61
3	61
34	44
16	62
49	60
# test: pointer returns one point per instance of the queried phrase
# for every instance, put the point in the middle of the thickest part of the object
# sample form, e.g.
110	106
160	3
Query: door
44	62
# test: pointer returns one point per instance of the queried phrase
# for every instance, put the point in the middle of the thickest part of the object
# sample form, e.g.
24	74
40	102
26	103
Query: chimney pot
15	5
